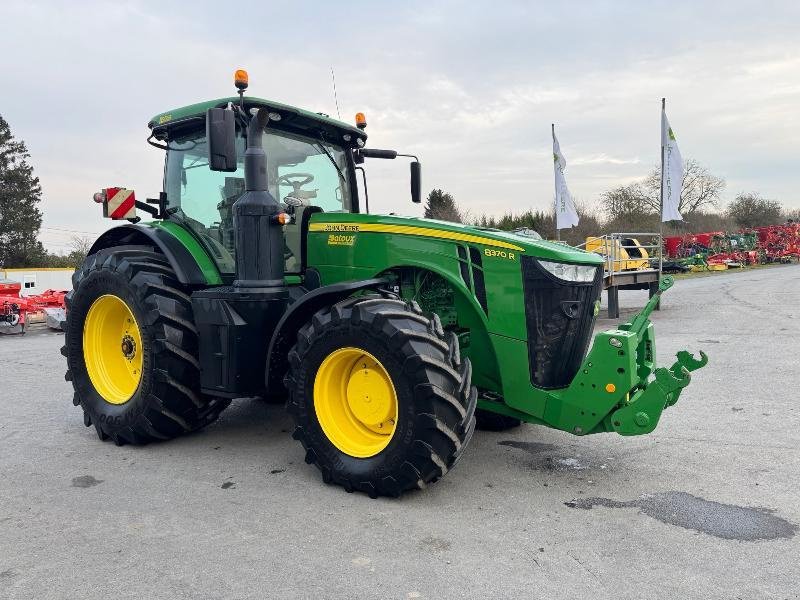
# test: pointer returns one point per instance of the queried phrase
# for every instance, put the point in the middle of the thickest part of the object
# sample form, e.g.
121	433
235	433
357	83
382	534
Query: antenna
335	97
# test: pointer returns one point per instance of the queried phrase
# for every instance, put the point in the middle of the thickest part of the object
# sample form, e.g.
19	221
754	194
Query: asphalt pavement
705	507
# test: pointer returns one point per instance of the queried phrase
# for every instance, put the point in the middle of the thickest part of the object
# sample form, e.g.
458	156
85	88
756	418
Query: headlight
566	272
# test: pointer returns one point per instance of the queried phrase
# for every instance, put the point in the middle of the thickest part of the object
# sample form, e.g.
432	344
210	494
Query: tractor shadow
255	416
567	459
249	424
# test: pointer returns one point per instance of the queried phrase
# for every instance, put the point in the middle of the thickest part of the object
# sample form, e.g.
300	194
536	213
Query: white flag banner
566	215
671	173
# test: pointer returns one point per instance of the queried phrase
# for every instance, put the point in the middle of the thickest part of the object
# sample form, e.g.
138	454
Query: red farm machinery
15	308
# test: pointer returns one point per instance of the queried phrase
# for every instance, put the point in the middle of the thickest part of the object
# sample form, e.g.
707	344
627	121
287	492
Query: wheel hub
112	345
355	402
370	396
128	347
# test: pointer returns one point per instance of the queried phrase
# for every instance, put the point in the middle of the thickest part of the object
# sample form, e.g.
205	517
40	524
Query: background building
36	281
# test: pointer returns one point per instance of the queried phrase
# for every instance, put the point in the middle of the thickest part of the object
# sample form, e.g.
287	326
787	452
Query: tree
700	189
79	247
792	214
539	221
626	201
20	194
543	223
751	210
441	205
628	208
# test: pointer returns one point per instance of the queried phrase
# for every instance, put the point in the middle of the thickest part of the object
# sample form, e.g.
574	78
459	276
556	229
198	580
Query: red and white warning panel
119	203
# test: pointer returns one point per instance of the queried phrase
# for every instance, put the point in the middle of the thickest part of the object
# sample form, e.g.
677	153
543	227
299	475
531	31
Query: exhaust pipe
256	226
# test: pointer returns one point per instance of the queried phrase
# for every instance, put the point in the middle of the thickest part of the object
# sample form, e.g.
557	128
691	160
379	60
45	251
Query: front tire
132	347
381	400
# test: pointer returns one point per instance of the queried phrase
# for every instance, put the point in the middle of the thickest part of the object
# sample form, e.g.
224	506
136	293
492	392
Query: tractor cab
304	174
311	161
310	169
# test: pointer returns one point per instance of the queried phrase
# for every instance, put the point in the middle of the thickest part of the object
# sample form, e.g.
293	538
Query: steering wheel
297	197
289	178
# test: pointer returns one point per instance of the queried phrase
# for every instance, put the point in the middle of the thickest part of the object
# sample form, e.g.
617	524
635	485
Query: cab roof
292	117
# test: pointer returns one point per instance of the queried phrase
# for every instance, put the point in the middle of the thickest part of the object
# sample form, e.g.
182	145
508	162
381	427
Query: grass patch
744	269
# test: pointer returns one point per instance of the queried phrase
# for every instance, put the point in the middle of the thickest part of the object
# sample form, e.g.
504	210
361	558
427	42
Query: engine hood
415	226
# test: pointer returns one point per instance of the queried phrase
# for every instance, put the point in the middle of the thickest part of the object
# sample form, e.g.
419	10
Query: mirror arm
416	191
155	144
377	153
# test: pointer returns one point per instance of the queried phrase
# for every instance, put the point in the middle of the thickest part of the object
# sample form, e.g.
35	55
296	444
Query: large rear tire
381	399
132	347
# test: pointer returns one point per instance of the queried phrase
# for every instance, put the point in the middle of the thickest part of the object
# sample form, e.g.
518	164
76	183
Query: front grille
560	317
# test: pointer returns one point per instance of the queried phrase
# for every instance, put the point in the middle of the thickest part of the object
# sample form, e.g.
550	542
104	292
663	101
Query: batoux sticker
341	240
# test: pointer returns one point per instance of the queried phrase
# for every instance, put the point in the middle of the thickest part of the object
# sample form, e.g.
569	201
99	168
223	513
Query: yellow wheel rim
355	402
112	349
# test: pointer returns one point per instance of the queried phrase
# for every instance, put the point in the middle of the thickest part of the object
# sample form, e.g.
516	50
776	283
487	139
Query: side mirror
416	182
221	139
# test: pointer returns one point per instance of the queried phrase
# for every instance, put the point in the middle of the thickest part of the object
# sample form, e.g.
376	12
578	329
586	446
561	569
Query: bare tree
700	189
80	245
626	201
792	214
751	210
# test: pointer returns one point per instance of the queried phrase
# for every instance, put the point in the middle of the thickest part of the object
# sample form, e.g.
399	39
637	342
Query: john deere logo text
341	240
340	227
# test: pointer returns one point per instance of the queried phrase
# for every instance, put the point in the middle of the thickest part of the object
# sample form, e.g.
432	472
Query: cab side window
302	172
314	182
307	177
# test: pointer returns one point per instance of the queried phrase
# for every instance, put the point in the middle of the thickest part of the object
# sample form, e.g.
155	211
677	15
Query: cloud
604	159
471	89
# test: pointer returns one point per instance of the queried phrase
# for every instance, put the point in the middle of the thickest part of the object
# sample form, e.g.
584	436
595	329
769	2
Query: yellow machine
621	254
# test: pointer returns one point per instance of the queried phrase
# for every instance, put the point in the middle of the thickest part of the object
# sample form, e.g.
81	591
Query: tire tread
174	405
440	378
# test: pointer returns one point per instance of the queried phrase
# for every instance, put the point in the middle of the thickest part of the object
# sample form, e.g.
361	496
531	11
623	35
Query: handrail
611	245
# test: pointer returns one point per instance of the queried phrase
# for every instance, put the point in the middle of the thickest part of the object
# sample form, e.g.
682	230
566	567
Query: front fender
481	349
297	315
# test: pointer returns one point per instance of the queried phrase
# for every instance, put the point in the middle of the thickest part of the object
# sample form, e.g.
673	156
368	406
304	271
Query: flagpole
661	195
555	197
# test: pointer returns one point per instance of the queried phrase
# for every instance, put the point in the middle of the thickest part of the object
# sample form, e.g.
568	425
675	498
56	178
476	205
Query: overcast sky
470	87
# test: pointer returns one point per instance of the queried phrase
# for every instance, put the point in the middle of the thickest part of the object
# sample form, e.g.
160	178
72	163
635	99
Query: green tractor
264	272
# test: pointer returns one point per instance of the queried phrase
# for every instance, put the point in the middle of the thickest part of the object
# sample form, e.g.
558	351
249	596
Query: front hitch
641	413
618	387
641	410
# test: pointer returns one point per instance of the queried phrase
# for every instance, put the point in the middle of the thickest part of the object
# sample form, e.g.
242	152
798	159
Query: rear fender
186	267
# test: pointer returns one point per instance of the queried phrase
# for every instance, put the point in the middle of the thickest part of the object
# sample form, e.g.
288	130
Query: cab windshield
301	172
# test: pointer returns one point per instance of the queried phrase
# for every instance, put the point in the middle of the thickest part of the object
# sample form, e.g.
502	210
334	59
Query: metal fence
626	266
623	255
